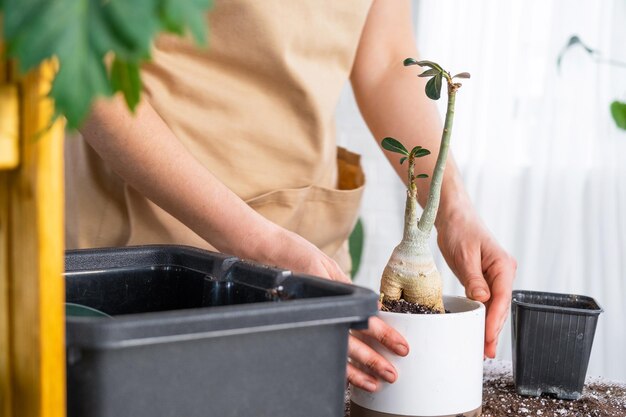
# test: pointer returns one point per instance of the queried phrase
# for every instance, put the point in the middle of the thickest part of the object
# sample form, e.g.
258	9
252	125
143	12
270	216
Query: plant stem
410	211
412	187
427	221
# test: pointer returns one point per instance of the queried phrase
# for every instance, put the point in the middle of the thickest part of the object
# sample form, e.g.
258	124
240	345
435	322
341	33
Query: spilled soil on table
600	398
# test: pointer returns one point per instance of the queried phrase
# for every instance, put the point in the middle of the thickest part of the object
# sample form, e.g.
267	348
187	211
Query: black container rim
79	260
211	322
544	307
352	304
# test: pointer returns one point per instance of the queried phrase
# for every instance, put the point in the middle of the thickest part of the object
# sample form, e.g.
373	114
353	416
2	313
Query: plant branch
410	211
427	221
411	180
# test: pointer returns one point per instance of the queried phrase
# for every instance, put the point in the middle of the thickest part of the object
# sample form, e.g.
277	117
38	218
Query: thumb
470	274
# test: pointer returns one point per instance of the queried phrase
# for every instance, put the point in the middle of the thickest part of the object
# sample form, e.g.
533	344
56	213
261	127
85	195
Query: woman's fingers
360	379
387	336
501	276
367	367
368	360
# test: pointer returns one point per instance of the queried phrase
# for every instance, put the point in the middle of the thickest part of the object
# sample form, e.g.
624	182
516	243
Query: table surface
601	397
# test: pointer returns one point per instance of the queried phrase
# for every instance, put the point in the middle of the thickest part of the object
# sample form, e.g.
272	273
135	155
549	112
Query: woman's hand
366	367
289	250
483	267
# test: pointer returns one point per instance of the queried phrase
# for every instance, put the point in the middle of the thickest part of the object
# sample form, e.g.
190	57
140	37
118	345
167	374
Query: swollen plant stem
427	221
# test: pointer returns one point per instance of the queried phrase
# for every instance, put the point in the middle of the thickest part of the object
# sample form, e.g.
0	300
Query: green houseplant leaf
355	245
177	15
430	64
80	33
618	111
394	145
433	87
421	152
126	79
572	41
429	72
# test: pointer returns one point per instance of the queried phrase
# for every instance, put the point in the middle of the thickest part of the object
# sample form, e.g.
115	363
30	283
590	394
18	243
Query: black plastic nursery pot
552	336
195	333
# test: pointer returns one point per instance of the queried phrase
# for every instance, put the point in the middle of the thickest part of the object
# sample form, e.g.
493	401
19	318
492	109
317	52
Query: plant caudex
411	273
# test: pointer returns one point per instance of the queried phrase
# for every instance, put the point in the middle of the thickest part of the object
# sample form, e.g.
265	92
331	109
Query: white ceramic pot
443	373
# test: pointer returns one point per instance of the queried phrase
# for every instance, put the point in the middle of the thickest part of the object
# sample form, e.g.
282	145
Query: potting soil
600	398
403	306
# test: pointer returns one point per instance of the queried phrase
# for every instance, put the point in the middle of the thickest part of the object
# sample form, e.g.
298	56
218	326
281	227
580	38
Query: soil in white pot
403	306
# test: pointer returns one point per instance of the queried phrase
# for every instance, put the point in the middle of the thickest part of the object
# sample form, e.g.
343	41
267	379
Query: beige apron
257	109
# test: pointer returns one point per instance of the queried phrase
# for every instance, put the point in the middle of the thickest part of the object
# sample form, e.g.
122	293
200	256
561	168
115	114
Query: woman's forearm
146	154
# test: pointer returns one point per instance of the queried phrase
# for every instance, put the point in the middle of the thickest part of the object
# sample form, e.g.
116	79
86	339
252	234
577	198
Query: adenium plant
411	272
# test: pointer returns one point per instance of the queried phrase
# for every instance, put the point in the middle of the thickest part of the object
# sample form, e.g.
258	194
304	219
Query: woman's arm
147	155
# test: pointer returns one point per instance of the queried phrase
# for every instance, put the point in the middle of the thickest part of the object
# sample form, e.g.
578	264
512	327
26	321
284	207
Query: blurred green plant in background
355	243
618	108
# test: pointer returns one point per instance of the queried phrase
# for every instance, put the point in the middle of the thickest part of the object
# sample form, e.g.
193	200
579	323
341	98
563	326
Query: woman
233	148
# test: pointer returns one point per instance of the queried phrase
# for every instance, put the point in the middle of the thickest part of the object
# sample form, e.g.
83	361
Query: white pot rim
469	306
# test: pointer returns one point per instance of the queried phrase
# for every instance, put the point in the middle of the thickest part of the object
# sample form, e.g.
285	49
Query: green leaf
421	152
409	61
573	40
355	244
125	78
402	160
618	111
433	87
394	145
429	73
81	32
176	16
77	31
74	87
421	176
462	75
430	64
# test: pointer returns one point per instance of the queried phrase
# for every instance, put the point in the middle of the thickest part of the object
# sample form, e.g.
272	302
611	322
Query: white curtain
540	156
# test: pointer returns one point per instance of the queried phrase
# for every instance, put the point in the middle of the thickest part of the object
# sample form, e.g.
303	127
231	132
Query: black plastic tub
195	333
552	336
